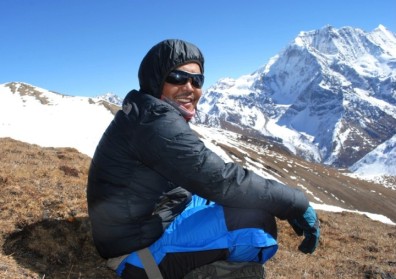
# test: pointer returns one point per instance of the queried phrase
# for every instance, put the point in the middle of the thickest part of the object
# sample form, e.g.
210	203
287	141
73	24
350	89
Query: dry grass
43	213
351	246
45	232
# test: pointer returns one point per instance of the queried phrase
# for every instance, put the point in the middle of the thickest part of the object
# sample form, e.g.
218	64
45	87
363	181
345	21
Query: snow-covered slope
38	116
379	162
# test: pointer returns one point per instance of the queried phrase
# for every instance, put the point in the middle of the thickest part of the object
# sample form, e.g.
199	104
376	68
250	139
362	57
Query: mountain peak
22	87
332	41
348	43
383	29
111	98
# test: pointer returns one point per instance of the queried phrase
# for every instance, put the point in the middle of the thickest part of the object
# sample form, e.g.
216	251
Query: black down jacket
148	163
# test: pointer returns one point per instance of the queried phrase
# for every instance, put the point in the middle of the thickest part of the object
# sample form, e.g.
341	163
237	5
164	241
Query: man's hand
307	224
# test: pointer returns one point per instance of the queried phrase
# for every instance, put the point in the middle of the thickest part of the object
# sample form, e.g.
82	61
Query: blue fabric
202	227
248	253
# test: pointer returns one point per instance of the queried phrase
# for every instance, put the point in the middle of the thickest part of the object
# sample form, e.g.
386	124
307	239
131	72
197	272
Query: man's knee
239	218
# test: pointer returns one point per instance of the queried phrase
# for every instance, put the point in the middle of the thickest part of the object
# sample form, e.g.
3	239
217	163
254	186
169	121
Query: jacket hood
161	59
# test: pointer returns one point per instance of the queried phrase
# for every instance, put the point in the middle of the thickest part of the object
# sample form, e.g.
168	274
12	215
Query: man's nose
189	83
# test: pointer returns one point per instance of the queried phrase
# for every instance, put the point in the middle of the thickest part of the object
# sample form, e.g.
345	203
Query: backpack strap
149	264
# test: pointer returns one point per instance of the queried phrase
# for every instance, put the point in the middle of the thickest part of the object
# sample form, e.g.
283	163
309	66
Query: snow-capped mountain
329	96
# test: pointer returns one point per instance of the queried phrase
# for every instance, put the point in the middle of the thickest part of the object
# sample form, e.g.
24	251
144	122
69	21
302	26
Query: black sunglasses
178	77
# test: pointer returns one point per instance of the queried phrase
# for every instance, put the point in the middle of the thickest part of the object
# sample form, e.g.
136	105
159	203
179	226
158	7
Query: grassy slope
45	232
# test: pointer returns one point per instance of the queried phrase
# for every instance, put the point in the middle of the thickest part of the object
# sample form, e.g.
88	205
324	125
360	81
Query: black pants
177	265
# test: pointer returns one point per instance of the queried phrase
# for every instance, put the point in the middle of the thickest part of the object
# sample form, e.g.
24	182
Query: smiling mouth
184	99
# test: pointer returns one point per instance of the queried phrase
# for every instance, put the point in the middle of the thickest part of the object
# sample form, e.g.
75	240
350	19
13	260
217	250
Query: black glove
307	224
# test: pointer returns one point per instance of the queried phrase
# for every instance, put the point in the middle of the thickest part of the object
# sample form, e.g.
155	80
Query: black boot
230	270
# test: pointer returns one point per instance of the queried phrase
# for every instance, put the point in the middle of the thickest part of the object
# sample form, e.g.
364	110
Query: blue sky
91	47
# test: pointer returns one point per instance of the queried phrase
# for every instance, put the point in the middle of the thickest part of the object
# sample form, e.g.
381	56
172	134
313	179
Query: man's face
186	94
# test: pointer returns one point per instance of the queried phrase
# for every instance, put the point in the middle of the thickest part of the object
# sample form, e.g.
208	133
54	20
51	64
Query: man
153	184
